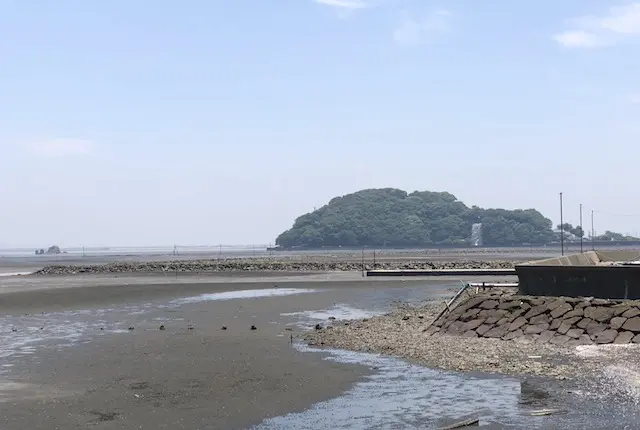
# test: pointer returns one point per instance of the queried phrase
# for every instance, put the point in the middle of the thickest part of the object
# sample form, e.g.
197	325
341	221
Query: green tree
577	230
392	217
613	236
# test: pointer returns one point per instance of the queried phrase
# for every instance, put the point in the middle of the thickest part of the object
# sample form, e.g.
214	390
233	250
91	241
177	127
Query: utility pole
561	228
581	229
593	234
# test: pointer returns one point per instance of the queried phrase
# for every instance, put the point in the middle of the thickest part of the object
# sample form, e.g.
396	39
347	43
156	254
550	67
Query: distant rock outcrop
55	249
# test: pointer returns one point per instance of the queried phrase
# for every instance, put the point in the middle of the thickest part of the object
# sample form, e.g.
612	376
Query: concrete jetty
443	272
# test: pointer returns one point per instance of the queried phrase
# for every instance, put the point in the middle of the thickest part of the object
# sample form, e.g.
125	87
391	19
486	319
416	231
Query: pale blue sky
220	121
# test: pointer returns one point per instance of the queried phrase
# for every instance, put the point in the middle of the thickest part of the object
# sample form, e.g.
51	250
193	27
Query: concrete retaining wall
558	320
580	281
587	274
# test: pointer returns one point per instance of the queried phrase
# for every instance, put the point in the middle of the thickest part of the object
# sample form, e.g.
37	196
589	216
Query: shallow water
243	294
339	311
400	395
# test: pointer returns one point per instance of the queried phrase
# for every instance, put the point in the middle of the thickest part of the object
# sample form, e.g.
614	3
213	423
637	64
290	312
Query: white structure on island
476	234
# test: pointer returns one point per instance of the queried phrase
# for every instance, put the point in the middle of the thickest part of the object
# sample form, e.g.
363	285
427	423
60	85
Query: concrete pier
443	272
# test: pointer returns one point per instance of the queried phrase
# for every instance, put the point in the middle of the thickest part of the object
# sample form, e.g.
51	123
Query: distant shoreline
587	244
325	260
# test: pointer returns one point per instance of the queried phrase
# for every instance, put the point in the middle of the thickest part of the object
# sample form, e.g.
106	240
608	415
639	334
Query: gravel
402	334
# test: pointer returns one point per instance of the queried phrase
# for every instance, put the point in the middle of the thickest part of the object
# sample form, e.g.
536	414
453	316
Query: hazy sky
220	121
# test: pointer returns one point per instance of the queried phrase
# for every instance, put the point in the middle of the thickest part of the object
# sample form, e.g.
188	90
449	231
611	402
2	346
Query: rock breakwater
560	321
401	333
263	265
546	339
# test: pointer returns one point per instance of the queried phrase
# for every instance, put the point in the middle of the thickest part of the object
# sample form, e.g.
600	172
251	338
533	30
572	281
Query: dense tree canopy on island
392	217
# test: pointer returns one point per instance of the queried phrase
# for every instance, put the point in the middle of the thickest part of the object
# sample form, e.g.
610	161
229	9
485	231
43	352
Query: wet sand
19	294
177	378
191	375
172	379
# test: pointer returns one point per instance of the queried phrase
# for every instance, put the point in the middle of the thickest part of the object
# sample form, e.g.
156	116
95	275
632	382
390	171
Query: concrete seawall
563	321
607	275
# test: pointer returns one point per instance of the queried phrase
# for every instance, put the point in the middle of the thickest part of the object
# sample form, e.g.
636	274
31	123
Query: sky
208	122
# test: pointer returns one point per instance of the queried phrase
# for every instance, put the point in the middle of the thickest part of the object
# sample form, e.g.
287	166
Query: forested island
392	217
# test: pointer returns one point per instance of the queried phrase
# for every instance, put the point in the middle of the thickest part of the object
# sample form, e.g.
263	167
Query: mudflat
19	294
191	374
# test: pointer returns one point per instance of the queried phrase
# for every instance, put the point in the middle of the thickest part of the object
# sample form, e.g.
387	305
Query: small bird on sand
254	327
224	327
162	327
130	328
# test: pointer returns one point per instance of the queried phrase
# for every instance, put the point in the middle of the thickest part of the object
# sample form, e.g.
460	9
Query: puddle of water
243	294
14	274
36	330
339	312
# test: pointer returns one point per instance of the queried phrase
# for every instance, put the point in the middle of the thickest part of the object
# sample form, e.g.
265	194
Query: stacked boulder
561	321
